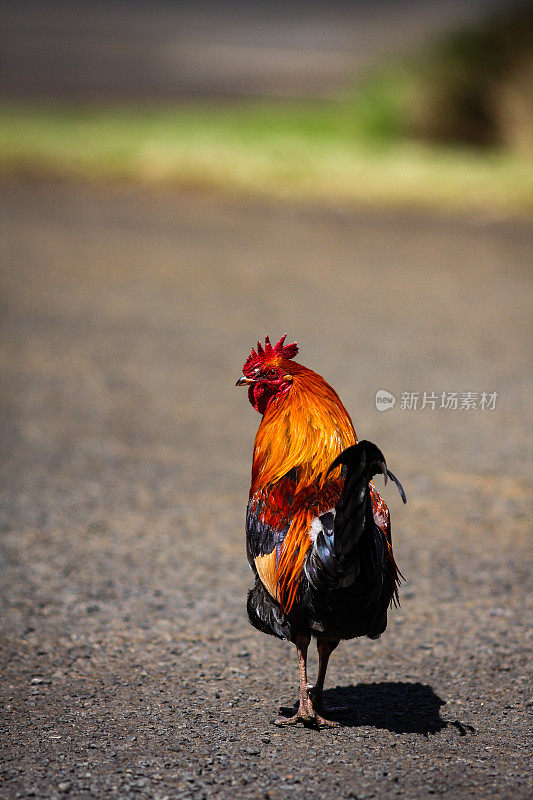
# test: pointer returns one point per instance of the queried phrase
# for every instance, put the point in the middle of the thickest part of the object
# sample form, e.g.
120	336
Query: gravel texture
128	667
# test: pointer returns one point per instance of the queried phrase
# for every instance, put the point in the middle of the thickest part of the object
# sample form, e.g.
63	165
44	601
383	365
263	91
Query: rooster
317	532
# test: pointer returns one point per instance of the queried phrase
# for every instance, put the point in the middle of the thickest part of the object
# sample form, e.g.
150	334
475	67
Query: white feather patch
316	525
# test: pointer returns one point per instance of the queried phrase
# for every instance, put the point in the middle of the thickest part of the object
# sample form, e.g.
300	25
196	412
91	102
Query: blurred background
427	104
179	179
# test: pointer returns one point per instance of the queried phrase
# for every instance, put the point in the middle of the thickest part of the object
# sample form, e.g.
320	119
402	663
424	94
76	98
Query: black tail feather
333	560
398	484
371	455
351	574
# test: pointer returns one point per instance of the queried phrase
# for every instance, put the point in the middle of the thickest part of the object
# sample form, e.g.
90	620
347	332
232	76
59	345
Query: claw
307	715
314	721
326	723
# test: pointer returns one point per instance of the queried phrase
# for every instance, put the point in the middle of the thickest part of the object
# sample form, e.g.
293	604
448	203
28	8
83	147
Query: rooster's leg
306	713
325	649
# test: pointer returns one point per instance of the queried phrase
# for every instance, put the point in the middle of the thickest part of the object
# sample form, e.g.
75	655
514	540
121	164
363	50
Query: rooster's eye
271	373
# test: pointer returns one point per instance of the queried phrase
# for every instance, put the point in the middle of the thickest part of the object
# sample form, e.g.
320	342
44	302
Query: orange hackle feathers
306	428
302	432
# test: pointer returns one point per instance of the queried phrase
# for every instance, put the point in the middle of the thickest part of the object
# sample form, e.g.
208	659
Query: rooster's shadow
399	707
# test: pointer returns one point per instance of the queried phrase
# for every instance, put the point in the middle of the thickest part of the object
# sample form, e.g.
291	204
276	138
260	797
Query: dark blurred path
175	49
128	667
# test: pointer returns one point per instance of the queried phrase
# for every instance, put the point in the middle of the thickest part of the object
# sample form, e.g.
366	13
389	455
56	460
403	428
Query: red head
267	372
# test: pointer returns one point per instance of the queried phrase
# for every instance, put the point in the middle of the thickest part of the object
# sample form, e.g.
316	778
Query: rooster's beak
243	381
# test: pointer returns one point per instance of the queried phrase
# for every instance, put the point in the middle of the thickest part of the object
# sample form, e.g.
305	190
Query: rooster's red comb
264	353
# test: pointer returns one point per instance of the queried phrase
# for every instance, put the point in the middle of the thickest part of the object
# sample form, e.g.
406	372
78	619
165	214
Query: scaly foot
306	715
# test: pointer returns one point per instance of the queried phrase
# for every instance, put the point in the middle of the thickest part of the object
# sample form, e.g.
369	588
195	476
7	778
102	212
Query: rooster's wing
268	518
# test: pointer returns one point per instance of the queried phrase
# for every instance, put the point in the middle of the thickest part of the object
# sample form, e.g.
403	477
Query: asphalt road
128	667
